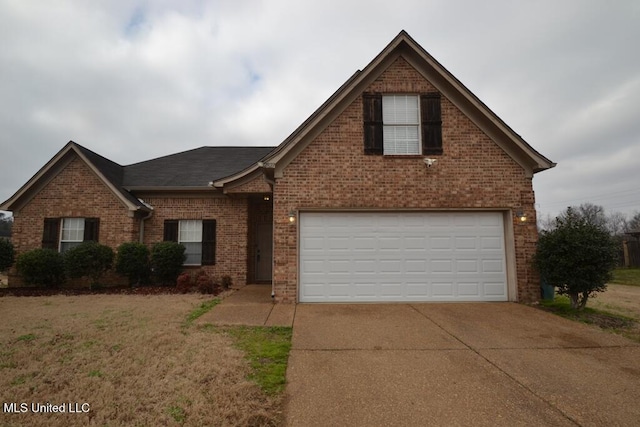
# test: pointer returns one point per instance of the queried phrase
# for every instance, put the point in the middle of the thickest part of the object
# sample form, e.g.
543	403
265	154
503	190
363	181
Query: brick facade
333	172
231	215
74	192
77	192
330	172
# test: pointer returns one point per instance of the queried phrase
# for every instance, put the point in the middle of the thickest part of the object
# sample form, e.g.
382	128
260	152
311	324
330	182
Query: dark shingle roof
193	168
112	171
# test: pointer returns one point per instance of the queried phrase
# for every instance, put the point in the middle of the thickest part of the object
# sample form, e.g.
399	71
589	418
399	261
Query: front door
264	251
260	239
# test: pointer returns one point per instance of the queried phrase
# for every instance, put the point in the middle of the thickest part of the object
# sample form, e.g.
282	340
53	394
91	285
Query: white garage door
402	256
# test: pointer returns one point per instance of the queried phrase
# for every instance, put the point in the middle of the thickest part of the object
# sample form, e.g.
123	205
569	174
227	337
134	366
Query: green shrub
166	261
132	261
577	257
7	254
43	267
88	259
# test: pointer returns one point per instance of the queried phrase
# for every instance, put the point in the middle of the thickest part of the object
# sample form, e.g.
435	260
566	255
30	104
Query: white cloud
135	80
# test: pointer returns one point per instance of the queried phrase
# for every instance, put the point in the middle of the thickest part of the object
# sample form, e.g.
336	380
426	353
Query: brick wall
75	192
258	185
231	227
333	172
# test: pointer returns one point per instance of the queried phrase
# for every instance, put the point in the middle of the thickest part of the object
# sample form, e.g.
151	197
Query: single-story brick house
402	186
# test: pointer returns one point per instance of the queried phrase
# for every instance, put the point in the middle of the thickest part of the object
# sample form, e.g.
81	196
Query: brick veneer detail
333	172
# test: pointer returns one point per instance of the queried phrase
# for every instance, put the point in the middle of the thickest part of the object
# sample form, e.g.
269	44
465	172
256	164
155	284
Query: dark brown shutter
431	123
170	230
372	123
51	234
208	242
91	229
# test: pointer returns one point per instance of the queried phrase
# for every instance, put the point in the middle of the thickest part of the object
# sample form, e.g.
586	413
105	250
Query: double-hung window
197	236
62	234
72	233
190	235
401	124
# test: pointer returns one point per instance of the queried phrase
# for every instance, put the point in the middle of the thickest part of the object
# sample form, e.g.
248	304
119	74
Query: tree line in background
616	223
6	222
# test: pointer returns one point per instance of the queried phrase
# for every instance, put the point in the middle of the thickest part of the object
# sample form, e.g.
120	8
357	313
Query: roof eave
21	197
442	79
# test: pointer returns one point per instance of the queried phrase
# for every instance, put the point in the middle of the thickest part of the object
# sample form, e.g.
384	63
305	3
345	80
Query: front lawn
626	276
607	320
131	360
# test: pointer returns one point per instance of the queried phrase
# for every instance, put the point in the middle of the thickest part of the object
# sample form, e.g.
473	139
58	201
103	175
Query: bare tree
634	222
617	223
593	214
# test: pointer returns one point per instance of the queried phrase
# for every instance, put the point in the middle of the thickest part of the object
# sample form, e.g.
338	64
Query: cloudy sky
133	80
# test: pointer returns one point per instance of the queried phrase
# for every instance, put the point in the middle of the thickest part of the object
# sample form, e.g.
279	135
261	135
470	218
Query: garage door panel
491	243
468	289
437	243
441	266
492	266
409	256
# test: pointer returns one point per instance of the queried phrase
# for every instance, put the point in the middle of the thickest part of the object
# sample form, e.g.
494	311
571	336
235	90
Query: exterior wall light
522	217
292	217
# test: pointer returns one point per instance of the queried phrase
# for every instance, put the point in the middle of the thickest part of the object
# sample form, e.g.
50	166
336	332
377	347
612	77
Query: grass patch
267	349
95	373
202	309
140	352
626	276
177	413
26	338
613	322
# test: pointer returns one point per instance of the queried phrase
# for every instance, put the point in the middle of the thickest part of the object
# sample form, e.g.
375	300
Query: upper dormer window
402	124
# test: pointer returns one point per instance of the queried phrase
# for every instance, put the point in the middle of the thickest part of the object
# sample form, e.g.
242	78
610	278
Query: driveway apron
456	364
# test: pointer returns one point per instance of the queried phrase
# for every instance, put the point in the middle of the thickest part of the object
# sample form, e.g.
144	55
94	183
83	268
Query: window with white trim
197	236
190	235
62	234
401	124
72	233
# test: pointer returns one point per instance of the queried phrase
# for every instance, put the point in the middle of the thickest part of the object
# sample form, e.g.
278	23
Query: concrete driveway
457	364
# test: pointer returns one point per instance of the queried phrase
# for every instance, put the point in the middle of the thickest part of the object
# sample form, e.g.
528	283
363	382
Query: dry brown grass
130	357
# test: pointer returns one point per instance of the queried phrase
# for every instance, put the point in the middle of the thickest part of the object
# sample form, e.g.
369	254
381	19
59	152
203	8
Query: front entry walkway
252	306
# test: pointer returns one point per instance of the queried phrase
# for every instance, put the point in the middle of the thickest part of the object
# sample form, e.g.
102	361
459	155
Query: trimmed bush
166	261
42	267
132	261
184	284
205	284
7	254
88	259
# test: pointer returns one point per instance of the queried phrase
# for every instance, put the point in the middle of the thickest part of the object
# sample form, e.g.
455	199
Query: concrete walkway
252	306
444	364
457	364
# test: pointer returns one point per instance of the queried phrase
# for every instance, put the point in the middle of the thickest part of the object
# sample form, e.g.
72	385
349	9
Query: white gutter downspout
272	183
143	219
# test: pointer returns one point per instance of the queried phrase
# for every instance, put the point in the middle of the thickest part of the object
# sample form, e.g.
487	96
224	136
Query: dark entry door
263	251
